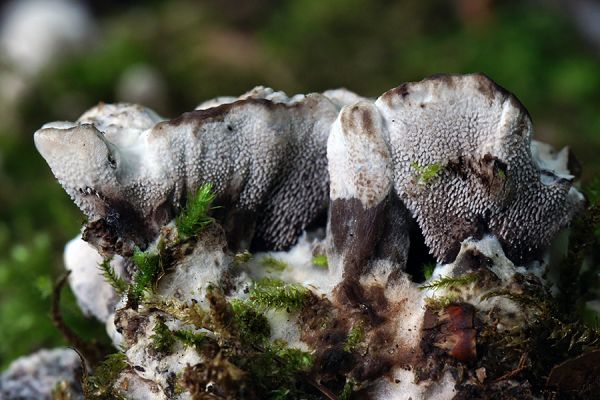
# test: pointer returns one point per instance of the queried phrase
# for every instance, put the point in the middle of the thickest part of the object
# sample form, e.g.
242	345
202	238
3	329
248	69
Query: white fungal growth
449	158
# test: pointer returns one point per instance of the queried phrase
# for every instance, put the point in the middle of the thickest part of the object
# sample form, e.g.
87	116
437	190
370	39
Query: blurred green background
173	55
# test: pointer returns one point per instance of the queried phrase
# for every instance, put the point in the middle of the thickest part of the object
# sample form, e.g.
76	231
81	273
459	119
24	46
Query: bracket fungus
239	308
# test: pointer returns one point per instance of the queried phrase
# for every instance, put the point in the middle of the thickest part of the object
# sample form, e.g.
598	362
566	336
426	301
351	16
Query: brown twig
324	391
91	352
520	367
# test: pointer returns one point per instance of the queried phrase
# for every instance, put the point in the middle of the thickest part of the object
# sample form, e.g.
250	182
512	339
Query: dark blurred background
59	57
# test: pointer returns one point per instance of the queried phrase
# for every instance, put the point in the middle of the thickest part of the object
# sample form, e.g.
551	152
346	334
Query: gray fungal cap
455	151
461	149
130	173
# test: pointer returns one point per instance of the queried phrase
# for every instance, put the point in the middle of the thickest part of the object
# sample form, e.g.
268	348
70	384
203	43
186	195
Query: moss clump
295	360
112	278
277	295
347	390
196	217
245	363
320	261
446	282
190	338
273	264
251	323
149	267
242	258
162	339
428	270
523	349
425	173
355	337
501	174
100	385
440	303
578	284
191	314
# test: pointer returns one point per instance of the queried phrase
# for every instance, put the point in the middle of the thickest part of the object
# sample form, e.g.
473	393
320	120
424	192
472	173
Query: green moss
252	325
273	264
294	360
320	261
191	314
100	385
501	174
242	258
275	294
439	303
578	284
347	390
446	282
278	371
247	364
190	338
196	217
522	299
355	337
425	173
428	270
109	274
148	269
162	339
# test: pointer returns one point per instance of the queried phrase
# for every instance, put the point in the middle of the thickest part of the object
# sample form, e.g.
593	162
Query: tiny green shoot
355	337
190	338
428	270
196	217
446	282
425	173
273	264
320	261
109	274
162	339
149	267
275	294
100	385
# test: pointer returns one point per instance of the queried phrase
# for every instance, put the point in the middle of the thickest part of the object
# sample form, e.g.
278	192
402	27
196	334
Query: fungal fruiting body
319	203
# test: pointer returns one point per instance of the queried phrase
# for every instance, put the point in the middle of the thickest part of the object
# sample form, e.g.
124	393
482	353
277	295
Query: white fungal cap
359	160
130	172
